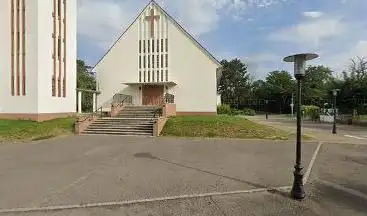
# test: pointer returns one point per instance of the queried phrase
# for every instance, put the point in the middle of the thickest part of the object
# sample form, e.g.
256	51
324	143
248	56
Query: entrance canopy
169	84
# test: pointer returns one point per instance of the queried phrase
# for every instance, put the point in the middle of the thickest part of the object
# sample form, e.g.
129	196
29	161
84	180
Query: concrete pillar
94	102
79	101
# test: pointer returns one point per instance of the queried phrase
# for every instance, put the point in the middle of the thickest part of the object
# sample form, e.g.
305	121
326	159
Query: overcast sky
261	32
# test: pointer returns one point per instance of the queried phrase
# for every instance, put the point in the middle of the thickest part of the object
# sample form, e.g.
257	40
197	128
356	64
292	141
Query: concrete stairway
132	120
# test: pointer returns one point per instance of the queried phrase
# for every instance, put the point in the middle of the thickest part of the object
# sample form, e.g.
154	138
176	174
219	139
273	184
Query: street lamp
335	93
266	109
299	60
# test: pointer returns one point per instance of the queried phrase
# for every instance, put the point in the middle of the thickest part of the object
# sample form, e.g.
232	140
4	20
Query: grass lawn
220	126
16	130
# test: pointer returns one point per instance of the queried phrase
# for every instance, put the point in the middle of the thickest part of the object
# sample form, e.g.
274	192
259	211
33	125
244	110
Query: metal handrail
168	98
99	110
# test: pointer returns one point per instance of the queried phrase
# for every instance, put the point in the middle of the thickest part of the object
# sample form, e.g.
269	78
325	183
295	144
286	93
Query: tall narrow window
59	48
139	62
145	62
157	61
166	75
148	75
153	61
162	45
166	44
157	75
162	76
153	46
148	61
148	46
145	76
18	47
153	80
158	45
144	46
59	8
139	46
139	76
54	48
166	60
162	61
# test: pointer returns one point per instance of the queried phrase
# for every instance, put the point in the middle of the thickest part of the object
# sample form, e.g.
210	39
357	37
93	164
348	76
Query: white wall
39	46
194	72
119	65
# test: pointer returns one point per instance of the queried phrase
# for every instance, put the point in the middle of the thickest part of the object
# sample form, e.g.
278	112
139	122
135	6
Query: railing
168	98
118	98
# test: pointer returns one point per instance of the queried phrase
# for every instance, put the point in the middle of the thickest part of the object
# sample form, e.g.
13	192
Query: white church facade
155	56
37	59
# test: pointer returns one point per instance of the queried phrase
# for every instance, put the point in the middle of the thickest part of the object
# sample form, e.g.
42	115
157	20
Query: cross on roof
151	18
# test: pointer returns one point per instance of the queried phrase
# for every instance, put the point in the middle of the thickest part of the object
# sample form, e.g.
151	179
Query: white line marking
355	137
310	165
122	203
344	189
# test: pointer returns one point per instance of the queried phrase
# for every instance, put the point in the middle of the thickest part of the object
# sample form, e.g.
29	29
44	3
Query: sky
259	32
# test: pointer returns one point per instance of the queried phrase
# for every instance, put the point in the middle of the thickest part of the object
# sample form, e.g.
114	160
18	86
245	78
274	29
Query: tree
85	80
234	85
316	82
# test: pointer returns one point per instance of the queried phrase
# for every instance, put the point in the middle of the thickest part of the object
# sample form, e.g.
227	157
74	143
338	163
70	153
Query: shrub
237	112
224	109
249	112
311	111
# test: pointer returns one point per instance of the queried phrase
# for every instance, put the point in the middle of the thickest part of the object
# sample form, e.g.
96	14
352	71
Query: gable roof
174	22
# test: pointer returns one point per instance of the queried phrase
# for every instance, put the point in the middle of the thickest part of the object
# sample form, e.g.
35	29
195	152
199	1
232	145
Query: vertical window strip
148	61
148	46
144	76
140	62
166	44
162	43
139	76
59	48
166	75
145	66
148	75
18	47
153	61
161	60
54	51
65	61
12	48
153	46
153	80
139	46
158	45
162	76
157	75
166	60
144	46
157	61
23	48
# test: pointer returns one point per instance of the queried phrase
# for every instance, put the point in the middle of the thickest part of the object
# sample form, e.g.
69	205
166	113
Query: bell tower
37	59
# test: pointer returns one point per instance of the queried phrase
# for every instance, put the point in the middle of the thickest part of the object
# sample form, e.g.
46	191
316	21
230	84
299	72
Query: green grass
220	126
17	130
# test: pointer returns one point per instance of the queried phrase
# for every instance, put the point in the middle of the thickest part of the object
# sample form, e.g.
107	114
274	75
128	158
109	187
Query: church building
37	59
156	56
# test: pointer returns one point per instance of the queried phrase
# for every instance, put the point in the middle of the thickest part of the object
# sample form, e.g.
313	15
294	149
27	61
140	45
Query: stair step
119	133
126	127
148	130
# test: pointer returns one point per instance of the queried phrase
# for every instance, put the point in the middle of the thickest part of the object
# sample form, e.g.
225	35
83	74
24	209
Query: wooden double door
152	94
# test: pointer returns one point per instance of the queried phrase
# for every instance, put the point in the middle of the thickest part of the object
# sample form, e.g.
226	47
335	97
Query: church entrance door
152	94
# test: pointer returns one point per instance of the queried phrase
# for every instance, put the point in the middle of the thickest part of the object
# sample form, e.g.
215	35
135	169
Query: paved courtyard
102	175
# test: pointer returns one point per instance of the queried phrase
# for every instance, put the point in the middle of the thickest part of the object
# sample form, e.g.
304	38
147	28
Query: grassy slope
220	126
12	130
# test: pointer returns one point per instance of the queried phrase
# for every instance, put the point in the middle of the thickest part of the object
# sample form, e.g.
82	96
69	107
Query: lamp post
299	60
335	93
266	109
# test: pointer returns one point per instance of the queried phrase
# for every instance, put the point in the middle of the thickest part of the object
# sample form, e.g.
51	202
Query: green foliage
224	109
12	130
85	81
234	84
249	112
220	126
311	111
316	82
